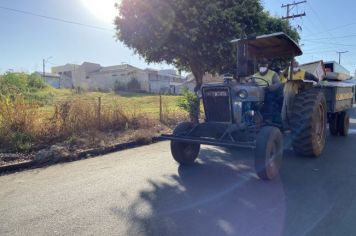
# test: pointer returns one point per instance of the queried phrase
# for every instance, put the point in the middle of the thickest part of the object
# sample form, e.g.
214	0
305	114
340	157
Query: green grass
130	102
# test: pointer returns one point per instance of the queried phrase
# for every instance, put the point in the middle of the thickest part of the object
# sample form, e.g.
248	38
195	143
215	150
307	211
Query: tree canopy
193	35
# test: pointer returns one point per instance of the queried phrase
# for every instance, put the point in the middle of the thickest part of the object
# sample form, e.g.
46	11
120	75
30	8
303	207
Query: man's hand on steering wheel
256	78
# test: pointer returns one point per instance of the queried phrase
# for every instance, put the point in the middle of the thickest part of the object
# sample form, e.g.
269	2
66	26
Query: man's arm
276	83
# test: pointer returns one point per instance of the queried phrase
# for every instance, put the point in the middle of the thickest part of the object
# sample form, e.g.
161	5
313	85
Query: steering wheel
254	78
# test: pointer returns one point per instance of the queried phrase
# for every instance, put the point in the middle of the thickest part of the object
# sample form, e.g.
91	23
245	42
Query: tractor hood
253	93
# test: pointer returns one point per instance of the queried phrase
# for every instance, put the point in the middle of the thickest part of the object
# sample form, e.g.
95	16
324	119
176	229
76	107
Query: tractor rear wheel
269	152
344	124
308	123
184	153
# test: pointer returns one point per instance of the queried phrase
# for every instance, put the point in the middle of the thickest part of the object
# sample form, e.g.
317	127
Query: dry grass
25	127
19	123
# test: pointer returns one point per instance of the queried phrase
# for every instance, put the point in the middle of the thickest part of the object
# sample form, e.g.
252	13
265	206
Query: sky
25	39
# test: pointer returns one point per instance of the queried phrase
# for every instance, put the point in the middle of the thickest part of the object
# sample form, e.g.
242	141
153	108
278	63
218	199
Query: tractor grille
217	104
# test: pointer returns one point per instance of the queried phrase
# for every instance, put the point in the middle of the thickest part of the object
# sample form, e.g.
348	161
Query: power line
335	28
318	52
55	19
319	19
319	48
342	26
313	24
303	25
329	43
337	37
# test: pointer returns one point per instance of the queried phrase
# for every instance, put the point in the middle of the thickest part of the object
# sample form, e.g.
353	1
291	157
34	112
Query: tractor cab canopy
272	46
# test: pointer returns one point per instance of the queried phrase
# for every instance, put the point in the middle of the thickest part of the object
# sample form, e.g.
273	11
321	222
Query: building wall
59	82
109	80
156	86
66	82
165	81
68	68
54	82
158	83
81	75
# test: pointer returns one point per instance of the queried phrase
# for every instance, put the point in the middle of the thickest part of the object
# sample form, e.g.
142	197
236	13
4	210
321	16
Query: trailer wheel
269	152
343	124
184	153
308	123
334	124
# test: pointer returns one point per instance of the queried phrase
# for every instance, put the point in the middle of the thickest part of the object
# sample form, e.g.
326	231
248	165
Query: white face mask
263	70
295	69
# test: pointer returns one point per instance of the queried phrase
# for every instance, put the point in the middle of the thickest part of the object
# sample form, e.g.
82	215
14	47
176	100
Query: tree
193	35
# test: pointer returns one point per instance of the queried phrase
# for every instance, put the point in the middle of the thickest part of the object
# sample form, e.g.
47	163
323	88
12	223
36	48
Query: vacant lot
43	117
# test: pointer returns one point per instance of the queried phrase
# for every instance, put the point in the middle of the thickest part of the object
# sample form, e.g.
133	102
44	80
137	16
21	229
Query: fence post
160	108
99	112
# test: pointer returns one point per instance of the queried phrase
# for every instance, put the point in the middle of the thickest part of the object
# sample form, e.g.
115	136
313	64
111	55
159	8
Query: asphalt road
144	192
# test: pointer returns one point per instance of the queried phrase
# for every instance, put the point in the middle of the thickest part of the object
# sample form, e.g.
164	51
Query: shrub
190	103
21	142
30	87
13	83
35	82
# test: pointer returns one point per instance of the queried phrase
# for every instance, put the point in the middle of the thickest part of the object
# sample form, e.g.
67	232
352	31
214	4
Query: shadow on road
221	195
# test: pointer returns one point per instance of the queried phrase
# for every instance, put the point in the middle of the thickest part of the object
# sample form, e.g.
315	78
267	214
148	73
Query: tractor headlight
242	94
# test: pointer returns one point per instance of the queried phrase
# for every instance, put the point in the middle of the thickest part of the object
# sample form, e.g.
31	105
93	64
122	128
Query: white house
92	76
165	81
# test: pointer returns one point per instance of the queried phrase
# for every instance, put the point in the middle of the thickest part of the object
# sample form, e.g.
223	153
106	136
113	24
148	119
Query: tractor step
211	142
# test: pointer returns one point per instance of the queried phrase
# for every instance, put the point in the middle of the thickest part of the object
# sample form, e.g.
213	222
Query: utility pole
343	52
44	69
44	61
290	7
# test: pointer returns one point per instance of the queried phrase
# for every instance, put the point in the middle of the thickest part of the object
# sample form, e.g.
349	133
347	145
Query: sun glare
104	10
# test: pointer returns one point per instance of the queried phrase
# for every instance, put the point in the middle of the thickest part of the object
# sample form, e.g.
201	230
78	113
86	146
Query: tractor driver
265	75
274	93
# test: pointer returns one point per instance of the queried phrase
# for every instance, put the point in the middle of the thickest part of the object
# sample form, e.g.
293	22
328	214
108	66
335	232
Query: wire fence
153	106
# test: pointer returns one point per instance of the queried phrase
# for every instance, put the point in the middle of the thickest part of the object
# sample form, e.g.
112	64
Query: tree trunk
198	74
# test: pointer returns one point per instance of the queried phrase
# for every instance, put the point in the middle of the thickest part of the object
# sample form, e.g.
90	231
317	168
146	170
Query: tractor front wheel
184	153
269	152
